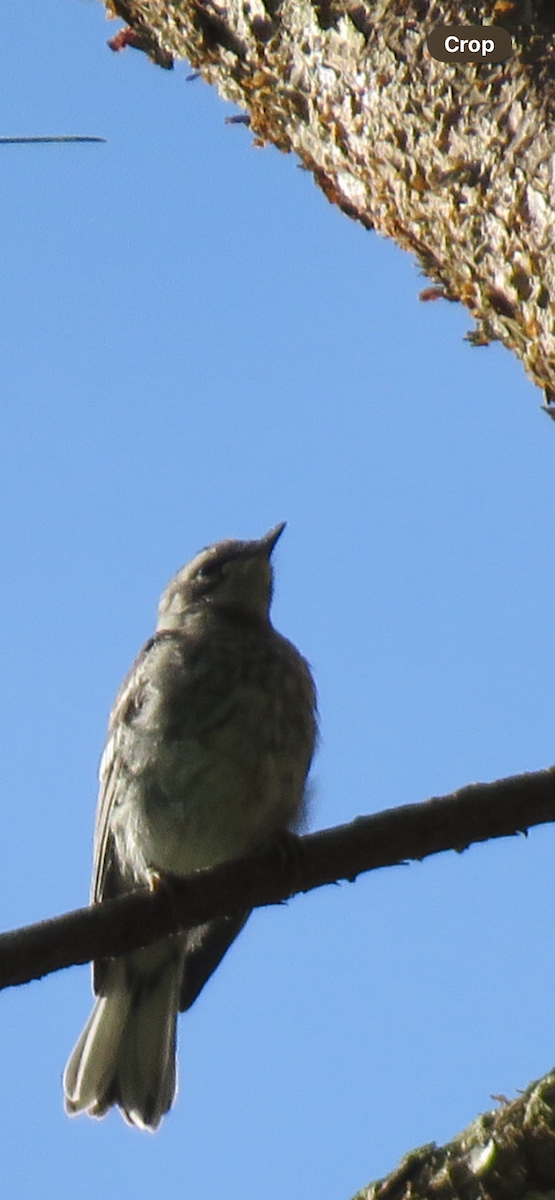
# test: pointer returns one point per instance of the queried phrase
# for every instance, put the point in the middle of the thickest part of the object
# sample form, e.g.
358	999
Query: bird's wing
205	947
106	881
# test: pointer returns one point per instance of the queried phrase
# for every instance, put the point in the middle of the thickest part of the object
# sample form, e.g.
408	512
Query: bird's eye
209	573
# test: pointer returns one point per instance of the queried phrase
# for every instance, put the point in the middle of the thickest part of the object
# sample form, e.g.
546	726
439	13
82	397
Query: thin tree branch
24	141
472	814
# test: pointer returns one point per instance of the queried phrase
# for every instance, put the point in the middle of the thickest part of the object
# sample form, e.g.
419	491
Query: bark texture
455	162
508	1154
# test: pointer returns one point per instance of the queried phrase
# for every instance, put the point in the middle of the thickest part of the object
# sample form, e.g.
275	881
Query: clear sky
196	345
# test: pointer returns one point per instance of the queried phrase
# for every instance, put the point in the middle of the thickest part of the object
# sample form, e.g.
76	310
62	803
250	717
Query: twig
20	141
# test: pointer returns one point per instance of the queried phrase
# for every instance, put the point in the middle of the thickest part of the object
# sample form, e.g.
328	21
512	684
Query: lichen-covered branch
455	162
507	1154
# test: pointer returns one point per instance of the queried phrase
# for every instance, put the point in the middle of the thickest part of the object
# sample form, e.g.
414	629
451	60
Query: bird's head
232	576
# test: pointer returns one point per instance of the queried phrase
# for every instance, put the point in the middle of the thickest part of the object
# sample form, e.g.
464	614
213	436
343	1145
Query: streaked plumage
210	741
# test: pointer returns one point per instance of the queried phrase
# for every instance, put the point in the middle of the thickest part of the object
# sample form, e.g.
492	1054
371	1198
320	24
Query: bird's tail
126	1052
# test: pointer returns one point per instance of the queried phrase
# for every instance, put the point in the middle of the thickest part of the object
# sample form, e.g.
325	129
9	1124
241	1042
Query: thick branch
507	1154
454	161
472	814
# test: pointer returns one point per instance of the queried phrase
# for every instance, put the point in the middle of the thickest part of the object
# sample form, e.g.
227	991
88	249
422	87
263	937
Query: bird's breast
217	758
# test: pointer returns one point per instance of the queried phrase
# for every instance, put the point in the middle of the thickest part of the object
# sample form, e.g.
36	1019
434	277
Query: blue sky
194	345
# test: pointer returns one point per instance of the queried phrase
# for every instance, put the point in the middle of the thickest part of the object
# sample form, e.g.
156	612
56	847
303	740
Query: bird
210	741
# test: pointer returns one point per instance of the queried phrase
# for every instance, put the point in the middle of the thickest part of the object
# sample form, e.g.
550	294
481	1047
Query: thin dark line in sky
4	141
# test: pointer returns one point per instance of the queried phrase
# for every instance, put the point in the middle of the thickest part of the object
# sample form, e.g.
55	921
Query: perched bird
210	741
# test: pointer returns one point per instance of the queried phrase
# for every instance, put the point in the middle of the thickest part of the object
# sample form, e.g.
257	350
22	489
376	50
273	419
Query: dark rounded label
469	43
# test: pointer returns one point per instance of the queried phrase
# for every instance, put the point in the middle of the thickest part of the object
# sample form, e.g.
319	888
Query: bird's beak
269	540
